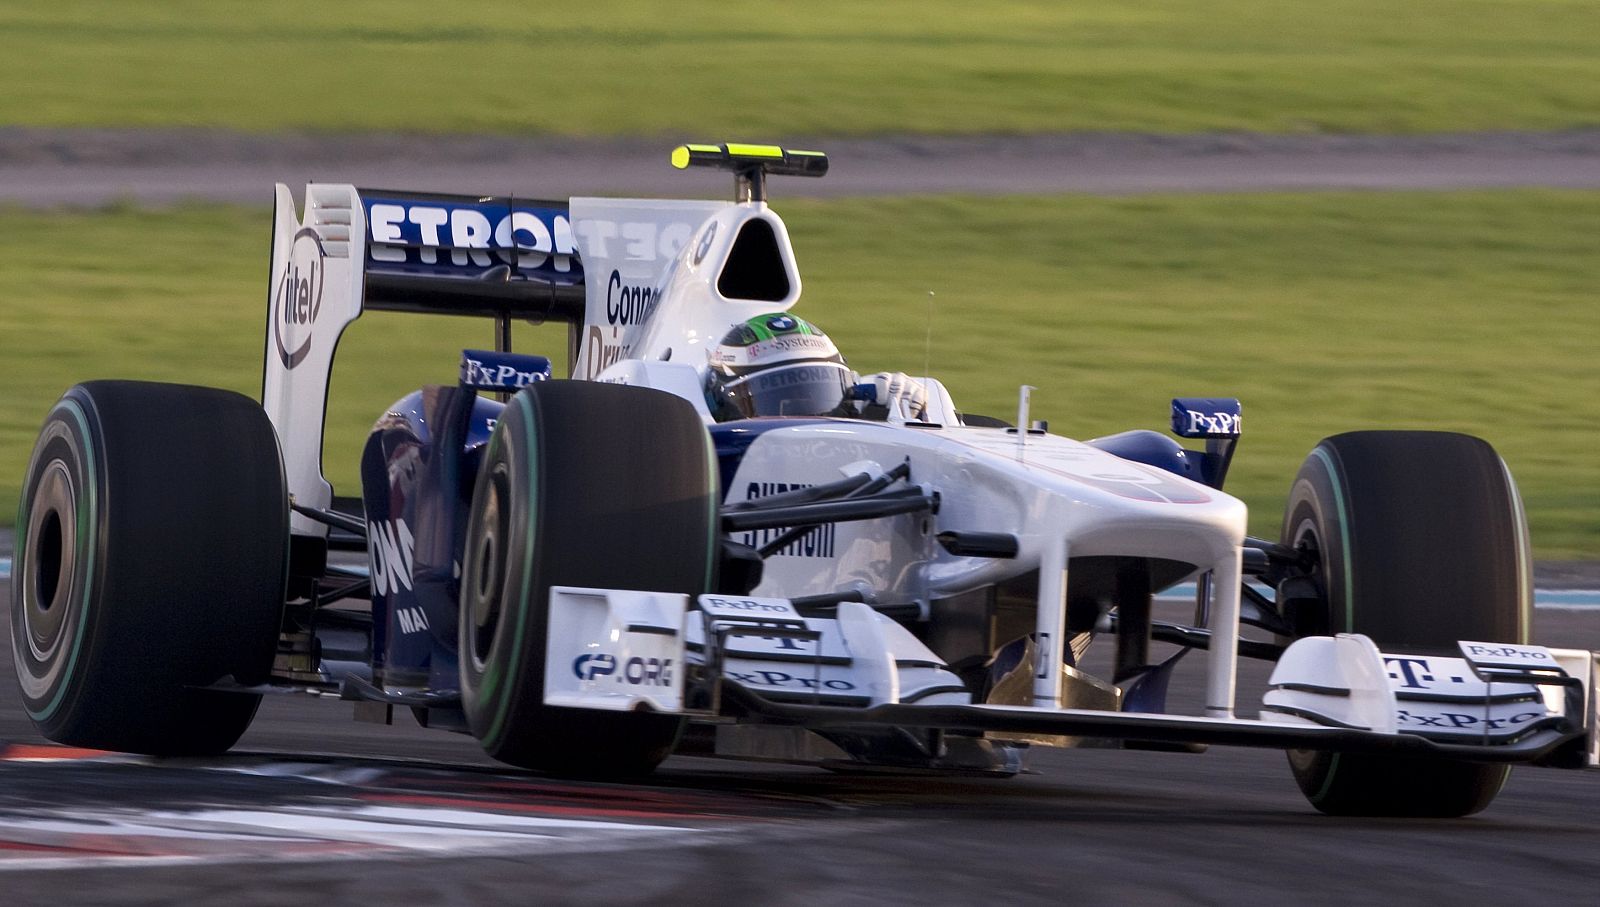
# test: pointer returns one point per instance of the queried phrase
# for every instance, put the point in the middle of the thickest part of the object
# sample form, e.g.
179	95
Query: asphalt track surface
90	167
315	805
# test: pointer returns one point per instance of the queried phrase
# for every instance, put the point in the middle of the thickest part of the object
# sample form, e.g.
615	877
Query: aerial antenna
927	346
1024	400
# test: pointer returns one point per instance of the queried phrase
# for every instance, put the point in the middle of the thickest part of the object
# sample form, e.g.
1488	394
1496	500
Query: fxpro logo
747	605
1218	423
1460	721
297	298
1476	650
390	549
785	680
476	373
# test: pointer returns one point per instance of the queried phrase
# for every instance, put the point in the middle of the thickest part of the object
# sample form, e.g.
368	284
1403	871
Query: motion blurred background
1324	311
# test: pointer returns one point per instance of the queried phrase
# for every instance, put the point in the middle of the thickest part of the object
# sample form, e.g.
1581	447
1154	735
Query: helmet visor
802	389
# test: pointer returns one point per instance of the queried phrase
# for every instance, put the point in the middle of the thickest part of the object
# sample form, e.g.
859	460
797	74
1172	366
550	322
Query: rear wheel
151	552
583	484
1418	541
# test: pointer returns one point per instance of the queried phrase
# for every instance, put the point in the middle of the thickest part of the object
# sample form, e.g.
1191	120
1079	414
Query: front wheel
1418	541
583	484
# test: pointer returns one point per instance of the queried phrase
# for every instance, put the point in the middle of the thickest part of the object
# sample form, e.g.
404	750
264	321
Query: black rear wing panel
486	256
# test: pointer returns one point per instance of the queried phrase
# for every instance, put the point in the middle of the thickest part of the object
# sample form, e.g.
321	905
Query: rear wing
496	257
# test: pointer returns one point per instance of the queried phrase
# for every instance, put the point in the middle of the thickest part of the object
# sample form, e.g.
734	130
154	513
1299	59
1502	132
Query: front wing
757	660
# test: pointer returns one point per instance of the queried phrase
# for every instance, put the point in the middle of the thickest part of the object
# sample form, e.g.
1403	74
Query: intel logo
297	298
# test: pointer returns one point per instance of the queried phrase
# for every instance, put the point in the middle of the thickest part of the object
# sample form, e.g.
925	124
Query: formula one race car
672	551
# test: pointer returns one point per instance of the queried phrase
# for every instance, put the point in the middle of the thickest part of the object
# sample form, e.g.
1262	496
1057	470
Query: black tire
583	484
150	560
1420	542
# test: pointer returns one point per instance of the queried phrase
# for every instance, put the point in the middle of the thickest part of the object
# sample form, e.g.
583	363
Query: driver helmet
776	365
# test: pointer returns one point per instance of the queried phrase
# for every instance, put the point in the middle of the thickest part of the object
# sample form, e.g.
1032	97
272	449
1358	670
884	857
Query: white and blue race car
591	573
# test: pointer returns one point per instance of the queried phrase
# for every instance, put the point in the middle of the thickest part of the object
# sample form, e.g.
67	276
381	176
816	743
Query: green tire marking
714	520
1327	781
20	546
88	514
20	543
1505	775
1344	534
491	671
1349	602
503	705
1524	571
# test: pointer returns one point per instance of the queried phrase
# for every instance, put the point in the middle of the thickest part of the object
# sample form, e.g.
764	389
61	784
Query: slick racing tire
583	484
1418	541
150	562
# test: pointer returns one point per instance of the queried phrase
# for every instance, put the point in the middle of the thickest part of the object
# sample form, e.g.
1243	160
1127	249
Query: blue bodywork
732	439
1152	449
1206	417
1216	419
417	474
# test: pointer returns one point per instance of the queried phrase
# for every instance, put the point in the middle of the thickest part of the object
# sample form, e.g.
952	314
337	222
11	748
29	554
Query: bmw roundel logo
781	323
705	242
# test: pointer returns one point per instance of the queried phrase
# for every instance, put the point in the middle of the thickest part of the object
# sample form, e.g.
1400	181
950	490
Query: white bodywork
1059	498
618	650
316	292
1072	499
654	305
637	252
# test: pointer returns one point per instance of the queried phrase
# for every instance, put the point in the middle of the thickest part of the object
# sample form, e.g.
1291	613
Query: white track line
165	837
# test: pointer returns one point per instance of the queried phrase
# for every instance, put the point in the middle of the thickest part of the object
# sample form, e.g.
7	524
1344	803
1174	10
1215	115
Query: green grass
1323	312
760	70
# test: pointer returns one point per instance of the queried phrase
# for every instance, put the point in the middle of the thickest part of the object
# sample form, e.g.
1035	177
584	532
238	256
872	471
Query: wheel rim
488	566
1303	537
51	561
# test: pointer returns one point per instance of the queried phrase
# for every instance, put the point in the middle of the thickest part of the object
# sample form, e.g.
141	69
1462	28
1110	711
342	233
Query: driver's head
776	365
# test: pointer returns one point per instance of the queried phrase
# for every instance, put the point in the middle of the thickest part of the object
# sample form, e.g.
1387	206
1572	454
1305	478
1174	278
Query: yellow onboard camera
751	164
